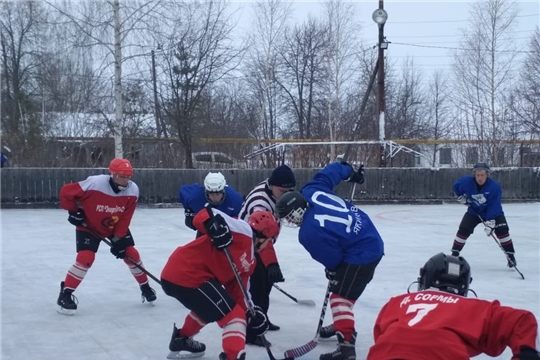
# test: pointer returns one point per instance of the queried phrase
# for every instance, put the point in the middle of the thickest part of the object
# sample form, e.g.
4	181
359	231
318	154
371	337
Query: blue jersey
4	159
334	230
193	198
485	200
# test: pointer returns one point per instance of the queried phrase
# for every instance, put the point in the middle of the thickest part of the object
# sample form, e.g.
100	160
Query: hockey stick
249	302
108	242
304	349
500	246
299	302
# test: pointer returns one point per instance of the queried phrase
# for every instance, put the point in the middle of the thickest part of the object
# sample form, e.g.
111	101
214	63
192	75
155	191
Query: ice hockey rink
111	323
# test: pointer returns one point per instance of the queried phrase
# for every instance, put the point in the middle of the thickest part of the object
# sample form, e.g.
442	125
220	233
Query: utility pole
380	16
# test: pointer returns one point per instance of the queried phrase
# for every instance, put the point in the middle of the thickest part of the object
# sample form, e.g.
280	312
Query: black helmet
447	273
481	166
290	208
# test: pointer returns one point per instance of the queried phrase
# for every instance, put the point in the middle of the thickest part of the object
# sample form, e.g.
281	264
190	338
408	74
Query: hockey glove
257	322
463	199
189	219
356	176
274	273
76	217
219	232
329	274
119	245
489	227
527	353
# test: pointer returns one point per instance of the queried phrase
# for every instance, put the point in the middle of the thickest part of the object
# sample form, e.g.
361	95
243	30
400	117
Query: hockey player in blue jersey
483	196
215	191
342	238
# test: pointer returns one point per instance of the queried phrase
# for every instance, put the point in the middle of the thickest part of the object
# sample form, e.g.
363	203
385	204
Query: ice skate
67	302
147	293
183	347
511	260
344	351
241	356
257	341
327	332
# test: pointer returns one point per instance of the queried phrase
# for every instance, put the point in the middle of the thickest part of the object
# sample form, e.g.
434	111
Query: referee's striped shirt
260	198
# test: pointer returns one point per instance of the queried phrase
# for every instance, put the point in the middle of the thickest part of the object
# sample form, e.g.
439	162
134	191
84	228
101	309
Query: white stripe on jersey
259	198
101	183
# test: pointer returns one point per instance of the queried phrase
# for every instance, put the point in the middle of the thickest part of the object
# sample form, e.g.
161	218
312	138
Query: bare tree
205	54
303	59
343	44
21	24
484	70
110	26
526	103
439	114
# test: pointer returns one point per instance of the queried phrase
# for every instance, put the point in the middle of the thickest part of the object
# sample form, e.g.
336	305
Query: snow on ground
38	247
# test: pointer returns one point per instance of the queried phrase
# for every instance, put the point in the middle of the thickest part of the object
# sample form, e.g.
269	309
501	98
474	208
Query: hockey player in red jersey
440	322
104	203
200	276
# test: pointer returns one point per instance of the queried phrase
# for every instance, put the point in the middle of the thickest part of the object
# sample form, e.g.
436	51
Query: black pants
210	301
260	286
469	222
88	241
351	280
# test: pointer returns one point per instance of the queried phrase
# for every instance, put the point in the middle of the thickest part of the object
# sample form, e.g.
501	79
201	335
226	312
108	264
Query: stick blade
301	350
306	302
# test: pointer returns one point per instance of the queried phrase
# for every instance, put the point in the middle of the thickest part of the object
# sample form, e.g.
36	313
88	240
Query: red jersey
193	264
437	325
105	211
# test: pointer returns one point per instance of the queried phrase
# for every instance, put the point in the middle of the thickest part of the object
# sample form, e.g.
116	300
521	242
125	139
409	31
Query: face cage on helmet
207	194
448	288
120	187
294	218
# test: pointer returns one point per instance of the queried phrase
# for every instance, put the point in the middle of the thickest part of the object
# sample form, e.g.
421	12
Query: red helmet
264	223
121	167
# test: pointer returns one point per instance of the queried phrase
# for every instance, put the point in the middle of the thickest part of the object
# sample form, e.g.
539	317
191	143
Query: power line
441	36
446	21
458	48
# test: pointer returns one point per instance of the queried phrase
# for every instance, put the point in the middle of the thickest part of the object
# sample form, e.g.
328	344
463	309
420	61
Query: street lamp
380	16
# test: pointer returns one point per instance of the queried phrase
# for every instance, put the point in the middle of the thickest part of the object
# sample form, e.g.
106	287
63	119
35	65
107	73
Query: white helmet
214	183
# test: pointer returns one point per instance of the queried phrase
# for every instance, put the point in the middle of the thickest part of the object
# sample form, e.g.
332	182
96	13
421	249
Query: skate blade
184	355
329	339
63	311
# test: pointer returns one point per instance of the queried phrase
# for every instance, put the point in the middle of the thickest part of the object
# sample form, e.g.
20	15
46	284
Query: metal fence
42	185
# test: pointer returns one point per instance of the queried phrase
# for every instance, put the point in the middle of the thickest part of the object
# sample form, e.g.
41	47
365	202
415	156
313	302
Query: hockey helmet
290	208
214	183
451	274
121	167
264	224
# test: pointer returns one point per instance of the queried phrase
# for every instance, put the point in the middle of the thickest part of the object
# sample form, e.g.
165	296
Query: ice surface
38	247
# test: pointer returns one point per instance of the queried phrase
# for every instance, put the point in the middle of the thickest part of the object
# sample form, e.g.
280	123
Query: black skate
67	302
257	341
148	293
183	347
511	260
272	327
241	356
327	332
344	351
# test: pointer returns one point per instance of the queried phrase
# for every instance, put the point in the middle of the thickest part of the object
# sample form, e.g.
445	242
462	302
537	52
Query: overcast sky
434	26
